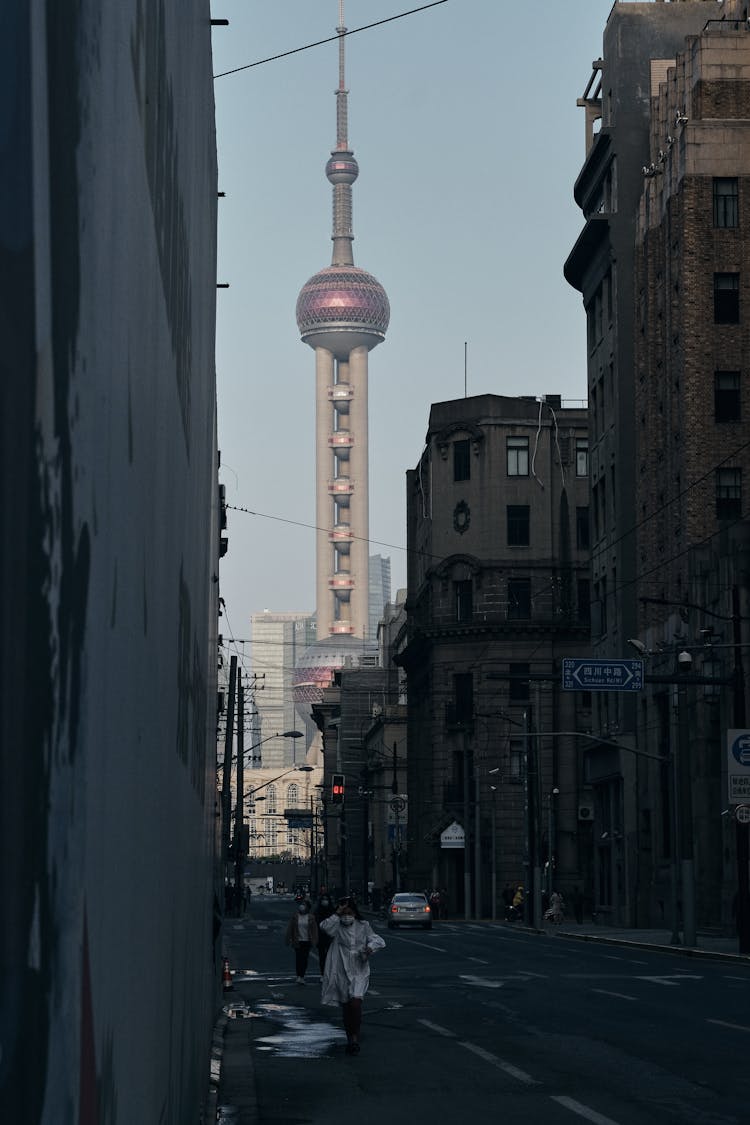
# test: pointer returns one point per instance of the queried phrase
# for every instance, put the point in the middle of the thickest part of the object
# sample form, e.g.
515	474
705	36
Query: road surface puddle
298	1035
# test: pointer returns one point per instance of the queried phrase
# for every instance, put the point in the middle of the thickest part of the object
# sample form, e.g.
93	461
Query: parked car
409	908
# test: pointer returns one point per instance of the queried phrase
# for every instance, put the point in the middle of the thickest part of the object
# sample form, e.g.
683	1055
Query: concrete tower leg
360	503
323	502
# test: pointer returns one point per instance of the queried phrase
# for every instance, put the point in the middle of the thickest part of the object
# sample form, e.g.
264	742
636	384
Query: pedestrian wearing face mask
347	966
324	909
302	935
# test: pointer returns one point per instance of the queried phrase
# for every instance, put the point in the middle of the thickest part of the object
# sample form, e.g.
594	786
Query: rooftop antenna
465	356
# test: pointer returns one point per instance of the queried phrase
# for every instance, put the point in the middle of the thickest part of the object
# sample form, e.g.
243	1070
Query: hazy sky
464	122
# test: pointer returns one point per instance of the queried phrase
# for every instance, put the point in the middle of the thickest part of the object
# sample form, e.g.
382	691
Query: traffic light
337	788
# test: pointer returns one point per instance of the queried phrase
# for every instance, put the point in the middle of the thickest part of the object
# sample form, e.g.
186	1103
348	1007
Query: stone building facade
498	594
661	265
693	458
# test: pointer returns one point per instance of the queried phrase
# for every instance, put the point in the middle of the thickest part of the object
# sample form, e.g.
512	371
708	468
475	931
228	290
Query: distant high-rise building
279	639
342	313
380	591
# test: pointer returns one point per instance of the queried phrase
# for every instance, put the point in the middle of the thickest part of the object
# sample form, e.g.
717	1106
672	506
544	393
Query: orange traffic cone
226	976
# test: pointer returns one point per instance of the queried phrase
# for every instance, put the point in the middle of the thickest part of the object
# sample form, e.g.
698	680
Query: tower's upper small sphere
343	307
342	168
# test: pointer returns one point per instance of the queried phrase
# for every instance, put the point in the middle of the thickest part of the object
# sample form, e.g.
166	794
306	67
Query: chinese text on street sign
738	766
602	675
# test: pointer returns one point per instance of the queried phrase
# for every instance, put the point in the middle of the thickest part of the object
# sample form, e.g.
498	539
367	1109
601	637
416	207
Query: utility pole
685	790
226	781
742	830
239	818
467	832
477	850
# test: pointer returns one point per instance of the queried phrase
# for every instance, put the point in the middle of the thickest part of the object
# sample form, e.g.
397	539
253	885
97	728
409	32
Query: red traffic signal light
337	788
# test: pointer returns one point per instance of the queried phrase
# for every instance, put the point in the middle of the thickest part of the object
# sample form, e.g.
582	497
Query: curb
679	950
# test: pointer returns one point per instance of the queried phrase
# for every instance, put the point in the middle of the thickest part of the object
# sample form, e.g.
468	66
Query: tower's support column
323	502
360	502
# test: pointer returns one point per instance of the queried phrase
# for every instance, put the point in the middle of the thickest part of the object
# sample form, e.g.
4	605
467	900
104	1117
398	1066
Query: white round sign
742	814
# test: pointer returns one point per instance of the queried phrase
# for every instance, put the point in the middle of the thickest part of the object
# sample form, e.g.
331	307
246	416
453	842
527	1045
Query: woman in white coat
347	968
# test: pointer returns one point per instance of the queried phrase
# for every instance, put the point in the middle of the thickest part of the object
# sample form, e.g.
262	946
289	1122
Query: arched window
271	799
291	796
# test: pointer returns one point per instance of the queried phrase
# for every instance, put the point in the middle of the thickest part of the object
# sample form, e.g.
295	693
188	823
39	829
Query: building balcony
341	488
341	628
342	536
341	395
341	582
341	443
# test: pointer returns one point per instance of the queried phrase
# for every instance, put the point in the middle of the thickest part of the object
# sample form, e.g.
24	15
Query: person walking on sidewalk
556	911
347	966
302	935
324	909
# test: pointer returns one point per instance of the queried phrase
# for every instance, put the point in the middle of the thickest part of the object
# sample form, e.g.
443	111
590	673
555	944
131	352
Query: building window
518	456
518	689
584	601
728	494
599	609
726	298
464	600
461	460
726	396
291	796
463	695
726	211
519	599
582	528
271	799
582	457
516	759
518	525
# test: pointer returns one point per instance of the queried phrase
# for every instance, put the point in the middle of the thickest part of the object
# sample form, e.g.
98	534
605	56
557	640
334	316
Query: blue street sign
602	675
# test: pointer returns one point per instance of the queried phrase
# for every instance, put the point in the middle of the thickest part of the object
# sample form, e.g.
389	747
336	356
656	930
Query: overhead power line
329	39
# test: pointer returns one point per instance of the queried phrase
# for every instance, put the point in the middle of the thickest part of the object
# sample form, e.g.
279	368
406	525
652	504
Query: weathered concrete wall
108	560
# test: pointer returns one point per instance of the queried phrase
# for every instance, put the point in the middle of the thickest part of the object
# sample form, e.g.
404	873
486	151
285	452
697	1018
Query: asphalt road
481	1022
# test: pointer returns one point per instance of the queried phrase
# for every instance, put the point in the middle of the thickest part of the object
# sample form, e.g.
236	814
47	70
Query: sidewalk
707	944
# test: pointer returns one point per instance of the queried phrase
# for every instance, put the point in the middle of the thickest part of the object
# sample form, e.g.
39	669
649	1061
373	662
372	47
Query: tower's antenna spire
342	168
341	93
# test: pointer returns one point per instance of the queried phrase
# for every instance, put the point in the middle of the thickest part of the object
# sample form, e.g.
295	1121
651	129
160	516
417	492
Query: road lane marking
619	995
426	944
583	1110
672	981
733	1026
632	961
743	979
481	982
526	973
436	1027
501	1064
479	960
373	992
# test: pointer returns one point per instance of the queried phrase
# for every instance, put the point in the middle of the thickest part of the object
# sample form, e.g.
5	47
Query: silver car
409	909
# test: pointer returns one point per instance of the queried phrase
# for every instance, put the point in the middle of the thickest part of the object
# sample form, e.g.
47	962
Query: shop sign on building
453	836
738	766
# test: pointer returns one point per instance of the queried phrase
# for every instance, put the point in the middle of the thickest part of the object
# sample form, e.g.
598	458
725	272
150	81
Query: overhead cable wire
329	39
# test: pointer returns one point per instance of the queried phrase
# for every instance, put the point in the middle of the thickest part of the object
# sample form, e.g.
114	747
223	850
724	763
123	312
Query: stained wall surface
108	561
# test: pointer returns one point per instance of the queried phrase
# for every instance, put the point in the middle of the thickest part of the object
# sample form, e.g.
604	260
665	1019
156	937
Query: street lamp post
239	854
550	836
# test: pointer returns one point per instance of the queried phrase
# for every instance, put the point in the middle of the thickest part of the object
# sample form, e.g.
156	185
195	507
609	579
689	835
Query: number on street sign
742	813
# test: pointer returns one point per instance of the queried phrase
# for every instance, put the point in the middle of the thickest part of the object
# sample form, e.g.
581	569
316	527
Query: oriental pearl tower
342	312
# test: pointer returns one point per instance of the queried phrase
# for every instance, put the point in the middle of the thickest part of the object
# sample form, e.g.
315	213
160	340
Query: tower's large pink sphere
342	307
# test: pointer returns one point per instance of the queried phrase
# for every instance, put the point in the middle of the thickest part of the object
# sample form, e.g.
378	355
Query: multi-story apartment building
661	264
498	593
278	641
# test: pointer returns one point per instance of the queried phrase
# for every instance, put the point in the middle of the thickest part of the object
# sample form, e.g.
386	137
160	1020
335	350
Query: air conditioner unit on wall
585	812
